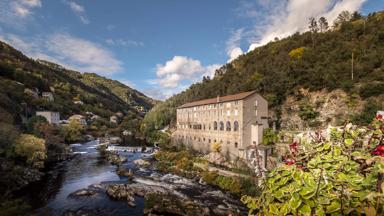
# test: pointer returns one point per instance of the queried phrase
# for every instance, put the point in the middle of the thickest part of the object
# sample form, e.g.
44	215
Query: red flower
379	150
299	166
290	161
293	147
379	117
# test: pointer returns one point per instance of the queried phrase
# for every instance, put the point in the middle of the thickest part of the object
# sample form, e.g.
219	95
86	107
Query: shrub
296	53
339	176
269	137
371	89
31	148
216	147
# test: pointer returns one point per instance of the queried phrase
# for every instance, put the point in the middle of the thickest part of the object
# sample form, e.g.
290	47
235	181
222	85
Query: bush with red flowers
339	176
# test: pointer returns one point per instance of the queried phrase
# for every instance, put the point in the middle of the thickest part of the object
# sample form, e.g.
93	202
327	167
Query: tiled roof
226	98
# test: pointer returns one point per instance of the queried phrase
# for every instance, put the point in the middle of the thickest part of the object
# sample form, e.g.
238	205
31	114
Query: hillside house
47	96
114	119
236	121
52	117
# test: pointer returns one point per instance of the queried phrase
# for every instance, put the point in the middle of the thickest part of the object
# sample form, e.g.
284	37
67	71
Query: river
51	195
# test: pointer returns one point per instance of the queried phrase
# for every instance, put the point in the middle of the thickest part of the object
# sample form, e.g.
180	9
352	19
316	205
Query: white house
47	96
52	117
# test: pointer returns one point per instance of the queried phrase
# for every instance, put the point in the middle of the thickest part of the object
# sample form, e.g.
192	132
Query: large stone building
236	121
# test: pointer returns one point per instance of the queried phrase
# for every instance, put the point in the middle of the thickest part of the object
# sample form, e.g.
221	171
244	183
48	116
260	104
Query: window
236	102
236	112
221	126
214	125
228	126
236	126
228	105
228	112
236	144
256	103
209	126
256	112
209	141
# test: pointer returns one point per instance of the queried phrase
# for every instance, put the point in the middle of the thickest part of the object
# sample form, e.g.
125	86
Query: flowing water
50	196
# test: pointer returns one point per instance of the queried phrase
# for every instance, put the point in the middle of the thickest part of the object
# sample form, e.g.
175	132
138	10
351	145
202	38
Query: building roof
218	99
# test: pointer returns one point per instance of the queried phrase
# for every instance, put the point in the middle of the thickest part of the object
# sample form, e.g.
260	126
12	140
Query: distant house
114	119
52	117
47	96
78	118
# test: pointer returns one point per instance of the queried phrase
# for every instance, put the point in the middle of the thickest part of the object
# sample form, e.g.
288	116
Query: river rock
124	172
141	162
82	192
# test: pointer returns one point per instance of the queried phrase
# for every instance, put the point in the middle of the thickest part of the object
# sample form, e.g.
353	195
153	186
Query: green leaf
319	211
348	142
307	190
295	201
335	206
285	209
305	210
327	146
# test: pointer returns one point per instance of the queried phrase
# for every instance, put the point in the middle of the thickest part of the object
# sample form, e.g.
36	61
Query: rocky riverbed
91	184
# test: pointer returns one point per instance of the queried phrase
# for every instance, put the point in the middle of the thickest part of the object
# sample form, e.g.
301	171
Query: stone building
79	118
236	121
52	117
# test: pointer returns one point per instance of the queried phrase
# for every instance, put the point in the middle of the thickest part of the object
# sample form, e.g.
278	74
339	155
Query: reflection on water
50	195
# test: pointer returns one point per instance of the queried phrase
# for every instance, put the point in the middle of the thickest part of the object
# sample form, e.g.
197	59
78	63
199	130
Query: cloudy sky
159	47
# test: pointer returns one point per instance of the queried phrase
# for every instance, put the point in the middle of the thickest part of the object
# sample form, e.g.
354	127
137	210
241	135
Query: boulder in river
82	192
141	162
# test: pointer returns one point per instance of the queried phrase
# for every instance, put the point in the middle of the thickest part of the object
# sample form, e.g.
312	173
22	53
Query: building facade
236	121
52	117
79	118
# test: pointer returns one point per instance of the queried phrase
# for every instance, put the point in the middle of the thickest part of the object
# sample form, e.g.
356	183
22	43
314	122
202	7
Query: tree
34	123
313	25
72	132
342	18
323	24
313	28
31	148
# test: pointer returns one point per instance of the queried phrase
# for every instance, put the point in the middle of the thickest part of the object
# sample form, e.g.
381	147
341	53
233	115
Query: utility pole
352	67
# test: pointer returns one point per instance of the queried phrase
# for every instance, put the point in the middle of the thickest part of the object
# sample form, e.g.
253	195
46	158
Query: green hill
99	95
306	77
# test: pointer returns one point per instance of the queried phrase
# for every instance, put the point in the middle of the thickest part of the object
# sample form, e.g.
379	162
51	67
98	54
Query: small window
236	112
236	126
228	128
228	112
228	105
214	125
221	126
236	144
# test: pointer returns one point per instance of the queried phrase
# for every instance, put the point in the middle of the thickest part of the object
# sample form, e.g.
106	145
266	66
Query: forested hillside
318	61
97	94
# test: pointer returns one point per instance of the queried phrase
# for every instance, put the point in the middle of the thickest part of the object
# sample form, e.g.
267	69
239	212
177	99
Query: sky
158	47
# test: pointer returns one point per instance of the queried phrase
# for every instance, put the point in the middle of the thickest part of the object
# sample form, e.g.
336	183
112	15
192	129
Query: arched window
228	127
236	144
214	125
236	126
221	126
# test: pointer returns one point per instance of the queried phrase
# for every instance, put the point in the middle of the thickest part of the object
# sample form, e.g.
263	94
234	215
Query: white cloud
69	51
233	44
124	43
178	73
78	10
76	7
17	12
282	18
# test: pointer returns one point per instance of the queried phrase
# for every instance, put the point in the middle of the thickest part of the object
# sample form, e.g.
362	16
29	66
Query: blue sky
159	47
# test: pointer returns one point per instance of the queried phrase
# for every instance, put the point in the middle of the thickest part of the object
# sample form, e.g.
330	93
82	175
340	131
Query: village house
235	121
52	117
47	96
79	118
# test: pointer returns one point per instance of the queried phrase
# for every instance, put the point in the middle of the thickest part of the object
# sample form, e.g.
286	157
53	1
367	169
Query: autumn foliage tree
342	175
32	149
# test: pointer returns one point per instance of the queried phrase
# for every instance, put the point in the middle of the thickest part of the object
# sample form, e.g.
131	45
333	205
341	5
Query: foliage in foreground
339	176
